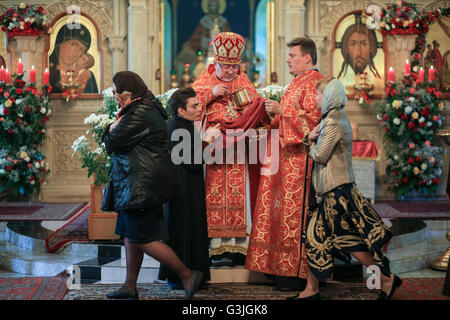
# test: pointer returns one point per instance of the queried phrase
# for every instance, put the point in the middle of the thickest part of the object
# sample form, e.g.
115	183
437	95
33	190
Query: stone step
416	257
36	242
29	262
407	233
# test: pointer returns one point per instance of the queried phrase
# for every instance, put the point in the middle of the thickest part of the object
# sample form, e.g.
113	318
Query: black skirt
342	223
142	225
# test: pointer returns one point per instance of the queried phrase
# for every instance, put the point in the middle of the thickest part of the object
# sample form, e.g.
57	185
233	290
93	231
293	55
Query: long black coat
446	289
143	175
186	212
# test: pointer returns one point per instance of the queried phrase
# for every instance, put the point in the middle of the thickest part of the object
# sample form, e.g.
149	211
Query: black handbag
108	197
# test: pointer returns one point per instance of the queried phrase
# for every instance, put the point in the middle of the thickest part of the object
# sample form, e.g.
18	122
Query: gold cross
231	110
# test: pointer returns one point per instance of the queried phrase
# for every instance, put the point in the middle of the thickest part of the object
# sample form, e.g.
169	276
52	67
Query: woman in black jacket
143	179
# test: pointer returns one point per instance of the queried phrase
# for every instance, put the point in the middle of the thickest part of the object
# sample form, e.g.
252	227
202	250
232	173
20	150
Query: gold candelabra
441	262
255	79
363	84
173	80
186	78
70	86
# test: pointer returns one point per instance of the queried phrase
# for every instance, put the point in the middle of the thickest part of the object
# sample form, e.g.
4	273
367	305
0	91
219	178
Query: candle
19	66
431	72
46	77
7	76
2	74
32	74
407	68
391	75
421	77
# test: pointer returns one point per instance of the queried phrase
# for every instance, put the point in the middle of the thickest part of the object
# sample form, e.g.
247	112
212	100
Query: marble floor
103	267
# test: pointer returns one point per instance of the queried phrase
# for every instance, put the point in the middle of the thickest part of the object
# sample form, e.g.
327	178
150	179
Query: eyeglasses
226	67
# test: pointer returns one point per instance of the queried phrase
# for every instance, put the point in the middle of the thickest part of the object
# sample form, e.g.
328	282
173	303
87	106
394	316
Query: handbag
108	198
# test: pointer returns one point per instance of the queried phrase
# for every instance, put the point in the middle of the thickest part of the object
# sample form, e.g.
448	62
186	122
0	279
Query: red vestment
275	241
225	184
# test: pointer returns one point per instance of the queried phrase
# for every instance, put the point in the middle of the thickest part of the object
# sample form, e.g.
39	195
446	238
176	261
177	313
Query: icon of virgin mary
70	56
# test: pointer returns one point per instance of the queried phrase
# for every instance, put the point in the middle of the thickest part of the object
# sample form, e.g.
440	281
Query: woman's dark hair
179	99
131	82
307	46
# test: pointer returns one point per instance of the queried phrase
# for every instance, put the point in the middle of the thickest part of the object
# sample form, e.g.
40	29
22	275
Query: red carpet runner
421	289
74	230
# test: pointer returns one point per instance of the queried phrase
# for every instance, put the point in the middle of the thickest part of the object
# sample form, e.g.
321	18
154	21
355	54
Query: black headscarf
132	82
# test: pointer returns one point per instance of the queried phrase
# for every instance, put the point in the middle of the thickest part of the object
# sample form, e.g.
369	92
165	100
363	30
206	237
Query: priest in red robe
275	242
230	187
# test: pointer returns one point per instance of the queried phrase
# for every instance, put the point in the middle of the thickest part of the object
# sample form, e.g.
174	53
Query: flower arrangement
273	92
410	116
405	18
414	167
89	149
69	95
24	19
22	171
24	113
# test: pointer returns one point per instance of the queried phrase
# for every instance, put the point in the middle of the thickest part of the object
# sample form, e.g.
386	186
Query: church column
155	41
313	31
399	49
117	40
138	53
294	27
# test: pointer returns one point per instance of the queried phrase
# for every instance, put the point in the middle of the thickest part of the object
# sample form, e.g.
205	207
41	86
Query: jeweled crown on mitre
228	47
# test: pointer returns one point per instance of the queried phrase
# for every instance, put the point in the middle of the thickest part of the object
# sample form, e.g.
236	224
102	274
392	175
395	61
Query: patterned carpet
421	289
55	288
23	211
40	288
412	289
354	291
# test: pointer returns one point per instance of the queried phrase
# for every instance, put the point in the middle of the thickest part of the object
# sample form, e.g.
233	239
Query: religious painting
358	57
74	57
437	53
194	23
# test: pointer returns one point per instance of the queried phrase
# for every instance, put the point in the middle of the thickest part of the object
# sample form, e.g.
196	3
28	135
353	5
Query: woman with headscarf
340	221
142	179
